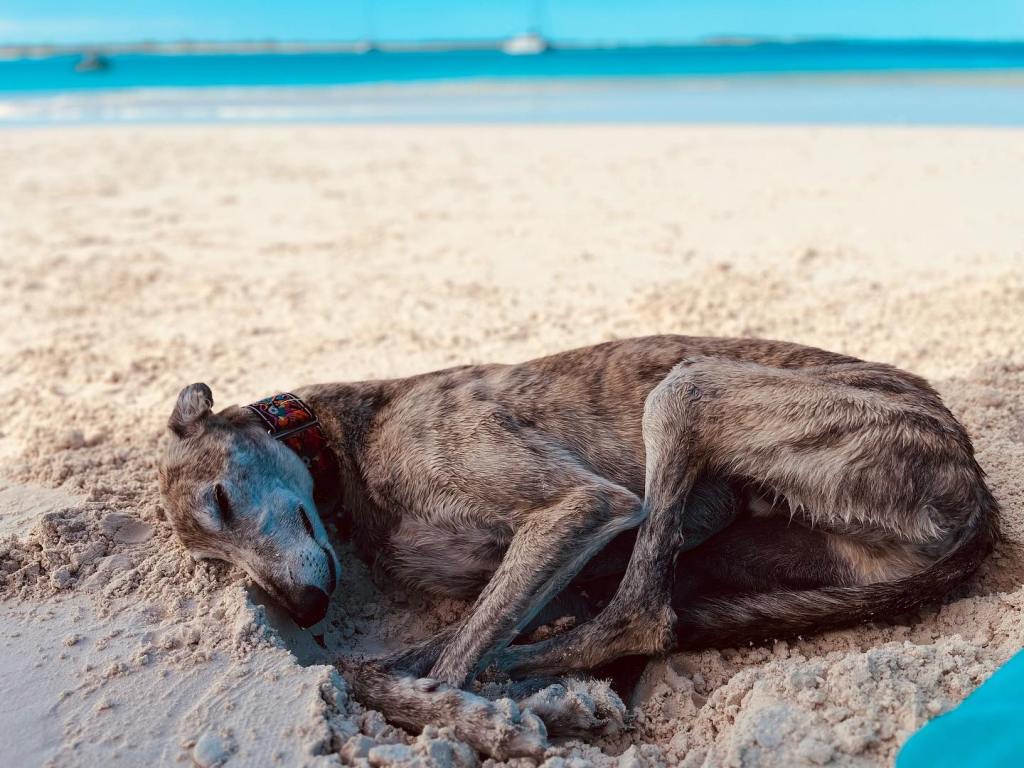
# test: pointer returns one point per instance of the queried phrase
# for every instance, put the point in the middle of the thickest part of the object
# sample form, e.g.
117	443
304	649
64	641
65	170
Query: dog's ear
191	410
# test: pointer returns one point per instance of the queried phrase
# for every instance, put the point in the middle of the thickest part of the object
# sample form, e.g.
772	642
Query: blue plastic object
986	731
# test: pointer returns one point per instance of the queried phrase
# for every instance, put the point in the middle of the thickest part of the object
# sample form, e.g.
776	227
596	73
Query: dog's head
234	493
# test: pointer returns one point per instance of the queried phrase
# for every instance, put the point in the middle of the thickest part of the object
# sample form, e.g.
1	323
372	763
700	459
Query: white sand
133	261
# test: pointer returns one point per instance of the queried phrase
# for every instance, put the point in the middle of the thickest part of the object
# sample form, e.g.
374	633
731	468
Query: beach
136	260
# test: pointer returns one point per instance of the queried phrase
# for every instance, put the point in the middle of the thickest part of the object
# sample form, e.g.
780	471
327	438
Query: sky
623	21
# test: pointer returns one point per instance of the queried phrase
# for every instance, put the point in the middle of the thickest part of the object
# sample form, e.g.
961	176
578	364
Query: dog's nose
311	606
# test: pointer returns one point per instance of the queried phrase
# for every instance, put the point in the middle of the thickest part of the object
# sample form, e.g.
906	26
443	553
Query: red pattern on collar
291	421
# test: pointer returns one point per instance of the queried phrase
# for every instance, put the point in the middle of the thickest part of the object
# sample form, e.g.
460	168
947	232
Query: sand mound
134	261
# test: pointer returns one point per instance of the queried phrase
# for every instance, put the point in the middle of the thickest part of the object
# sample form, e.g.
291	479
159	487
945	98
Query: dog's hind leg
859	449
683	508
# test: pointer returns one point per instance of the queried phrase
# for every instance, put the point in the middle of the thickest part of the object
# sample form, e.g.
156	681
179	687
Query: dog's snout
311	606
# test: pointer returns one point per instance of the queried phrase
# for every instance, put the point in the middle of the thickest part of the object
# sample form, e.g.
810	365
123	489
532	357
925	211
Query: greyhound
733	490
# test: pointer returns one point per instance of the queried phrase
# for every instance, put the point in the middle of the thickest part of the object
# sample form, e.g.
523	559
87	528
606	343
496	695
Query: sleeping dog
736	490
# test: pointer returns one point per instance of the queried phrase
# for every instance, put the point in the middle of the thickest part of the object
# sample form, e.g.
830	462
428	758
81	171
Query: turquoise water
973	83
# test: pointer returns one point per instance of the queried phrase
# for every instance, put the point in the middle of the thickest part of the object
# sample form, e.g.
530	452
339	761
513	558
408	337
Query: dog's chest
444	556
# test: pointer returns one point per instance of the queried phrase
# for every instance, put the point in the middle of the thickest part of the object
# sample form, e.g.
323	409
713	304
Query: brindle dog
775	488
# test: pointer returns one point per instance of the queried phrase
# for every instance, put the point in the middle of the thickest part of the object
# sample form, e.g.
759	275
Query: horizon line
357	45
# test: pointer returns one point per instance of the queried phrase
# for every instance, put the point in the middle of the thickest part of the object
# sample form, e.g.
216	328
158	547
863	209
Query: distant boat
528	44
92	62
363	46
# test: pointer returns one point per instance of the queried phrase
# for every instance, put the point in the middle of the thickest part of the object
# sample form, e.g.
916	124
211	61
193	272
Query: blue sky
67	21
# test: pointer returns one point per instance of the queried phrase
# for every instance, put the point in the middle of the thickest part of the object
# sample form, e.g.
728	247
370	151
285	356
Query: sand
136	260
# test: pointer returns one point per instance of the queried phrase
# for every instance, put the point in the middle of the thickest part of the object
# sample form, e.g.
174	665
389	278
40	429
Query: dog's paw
576	707
498	728
523	733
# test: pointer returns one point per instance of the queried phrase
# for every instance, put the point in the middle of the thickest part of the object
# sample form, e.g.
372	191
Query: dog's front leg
496	728
546	552
516	726
395	686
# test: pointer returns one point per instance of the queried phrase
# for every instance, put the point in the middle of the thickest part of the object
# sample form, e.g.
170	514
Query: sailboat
527	44
532	42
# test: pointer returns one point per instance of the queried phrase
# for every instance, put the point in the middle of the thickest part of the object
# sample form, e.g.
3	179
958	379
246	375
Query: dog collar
291	421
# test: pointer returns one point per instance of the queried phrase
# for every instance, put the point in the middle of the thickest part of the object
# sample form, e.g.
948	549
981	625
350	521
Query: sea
802	82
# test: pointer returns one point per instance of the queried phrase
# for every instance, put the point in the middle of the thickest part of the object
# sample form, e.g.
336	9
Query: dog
733	490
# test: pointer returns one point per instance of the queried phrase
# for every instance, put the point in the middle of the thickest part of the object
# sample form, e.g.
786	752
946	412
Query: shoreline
975	98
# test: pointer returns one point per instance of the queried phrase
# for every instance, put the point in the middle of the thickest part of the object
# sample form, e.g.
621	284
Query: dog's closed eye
306	523
223	504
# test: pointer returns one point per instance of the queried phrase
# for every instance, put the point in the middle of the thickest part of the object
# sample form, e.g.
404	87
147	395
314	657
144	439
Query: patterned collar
291	421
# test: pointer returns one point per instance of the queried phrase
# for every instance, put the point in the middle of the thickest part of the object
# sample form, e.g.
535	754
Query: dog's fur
799	490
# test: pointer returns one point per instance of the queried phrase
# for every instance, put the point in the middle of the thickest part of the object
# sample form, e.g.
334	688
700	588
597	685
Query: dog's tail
755	618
